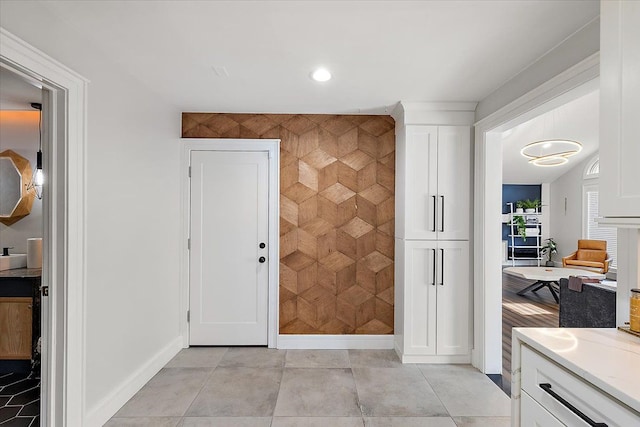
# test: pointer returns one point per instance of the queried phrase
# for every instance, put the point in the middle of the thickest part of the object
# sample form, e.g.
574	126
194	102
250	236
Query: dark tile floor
19	401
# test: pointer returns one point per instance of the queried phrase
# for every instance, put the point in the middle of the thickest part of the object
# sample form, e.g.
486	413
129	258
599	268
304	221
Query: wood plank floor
535	309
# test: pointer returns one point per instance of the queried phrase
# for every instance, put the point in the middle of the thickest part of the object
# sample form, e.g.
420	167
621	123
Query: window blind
596	232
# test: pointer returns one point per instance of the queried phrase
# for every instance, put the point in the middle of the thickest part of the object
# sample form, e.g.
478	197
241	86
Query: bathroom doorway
23	308
63	219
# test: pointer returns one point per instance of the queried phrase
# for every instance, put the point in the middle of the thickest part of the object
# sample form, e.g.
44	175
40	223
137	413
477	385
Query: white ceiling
380	52
576	120
16	93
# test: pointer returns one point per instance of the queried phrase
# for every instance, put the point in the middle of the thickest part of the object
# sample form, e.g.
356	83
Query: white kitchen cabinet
534	415
574	377
619	111
436	163
437	301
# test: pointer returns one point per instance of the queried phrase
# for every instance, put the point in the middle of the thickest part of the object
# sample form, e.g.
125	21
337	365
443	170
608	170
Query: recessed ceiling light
220	71
321	75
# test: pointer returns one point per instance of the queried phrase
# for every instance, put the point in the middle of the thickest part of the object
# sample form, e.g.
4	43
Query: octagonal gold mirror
15	200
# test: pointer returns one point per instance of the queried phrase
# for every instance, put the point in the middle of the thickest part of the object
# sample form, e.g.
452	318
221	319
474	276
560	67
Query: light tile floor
259	387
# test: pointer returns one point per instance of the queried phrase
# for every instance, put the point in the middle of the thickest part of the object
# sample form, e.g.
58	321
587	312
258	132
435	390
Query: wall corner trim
435	113
335	342
107	407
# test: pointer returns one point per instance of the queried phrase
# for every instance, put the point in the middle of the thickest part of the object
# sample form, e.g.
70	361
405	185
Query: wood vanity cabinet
16	314
20	302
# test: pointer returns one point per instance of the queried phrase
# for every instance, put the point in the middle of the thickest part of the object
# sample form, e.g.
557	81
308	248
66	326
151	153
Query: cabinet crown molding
435	113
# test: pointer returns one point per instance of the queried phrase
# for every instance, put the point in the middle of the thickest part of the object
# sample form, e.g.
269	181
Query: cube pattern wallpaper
337	175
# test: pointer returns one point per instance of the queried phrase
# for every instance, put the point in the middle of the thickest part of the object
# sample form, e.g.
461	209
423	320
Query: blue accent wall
511	193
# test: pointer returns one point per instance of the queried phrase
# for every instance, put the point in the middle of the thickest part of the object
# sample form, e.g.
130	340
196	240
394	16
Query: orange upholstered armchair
591	255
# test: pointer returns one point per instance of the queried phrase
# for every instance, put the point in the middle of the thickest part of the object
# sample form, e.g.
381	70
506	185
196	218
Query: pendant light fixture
38	176
550	152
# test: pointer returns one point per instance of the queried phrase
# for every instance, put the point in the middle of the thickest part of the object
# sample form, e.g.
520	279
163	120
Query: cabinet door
619	109
15	328
454	298
534	415
420	297
421	182
454	182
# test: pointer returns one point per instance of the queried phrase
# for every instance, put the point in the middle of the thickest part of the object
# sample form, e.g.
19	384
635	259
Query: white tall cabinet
620	139
433	199
619	112
438	182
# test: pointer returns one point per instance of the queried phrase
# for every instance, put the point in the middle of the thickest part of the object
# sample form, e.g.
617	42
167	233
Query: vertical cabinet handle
441	267
547	388
433	276
435	208
441	213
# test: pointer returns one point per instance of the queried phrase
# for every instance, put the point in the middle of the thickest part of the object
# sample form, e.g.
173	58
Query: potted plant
530	206
521	226
519	206
550	247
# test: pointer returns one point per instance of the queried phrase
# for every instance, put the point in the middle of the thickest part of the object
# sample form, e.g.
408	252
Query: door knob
262	259
262	245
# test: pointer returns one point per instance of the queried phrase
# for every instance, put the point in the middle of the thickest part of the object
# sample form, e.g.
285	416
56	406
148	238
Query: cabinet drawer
584	397
534	415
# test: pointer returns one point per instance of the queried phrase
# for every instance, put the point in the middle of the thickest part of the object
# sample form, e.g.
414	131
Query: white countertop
607	358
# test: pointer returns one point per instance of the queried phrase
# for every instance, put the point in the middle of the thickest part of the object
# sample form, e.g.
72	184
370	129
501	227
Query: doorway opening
578	81
63	218
21	232
542	212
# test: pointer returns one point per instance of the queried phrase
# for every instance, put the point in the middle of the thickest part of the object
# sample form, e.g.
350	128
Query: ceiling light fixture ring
551	159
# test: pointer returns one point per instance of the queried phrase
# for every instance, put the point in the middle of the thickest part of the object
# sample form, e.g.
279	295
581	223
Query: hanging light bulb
37	180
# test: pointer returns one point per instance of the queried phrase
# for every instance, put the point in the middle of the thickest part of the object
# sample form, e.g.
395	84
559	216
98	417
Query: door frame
64	232
487	272
270	146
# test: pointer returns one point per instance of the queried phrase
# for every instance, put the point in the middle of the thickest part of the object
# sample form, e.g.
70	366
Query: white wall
579	46
566	225
133	206
21	136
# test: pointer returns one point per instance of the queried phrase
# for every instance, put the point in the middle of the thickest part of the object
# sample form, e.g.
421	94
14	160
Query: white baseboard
335	342
410	358
421	358
107	407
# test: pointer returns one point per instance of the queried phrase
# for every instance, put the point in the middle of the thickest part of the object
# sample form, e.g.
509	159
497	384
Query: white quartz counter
607	358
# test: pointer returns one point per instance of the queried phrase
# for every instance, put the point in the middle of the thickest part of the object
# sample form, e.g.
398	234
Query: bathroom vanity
20	320
575	376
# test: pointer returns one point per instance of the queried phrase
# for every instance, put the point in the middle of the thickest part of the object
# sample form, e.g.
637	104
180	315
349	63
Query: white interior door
228	270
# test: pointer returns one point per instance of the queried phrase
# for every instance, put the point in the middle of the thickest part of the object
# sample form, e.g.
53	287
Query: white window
592	230
593	168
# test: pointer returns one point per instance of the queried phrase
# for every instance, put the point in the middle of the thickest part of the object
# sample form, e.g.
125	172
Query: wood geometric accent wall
337	176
